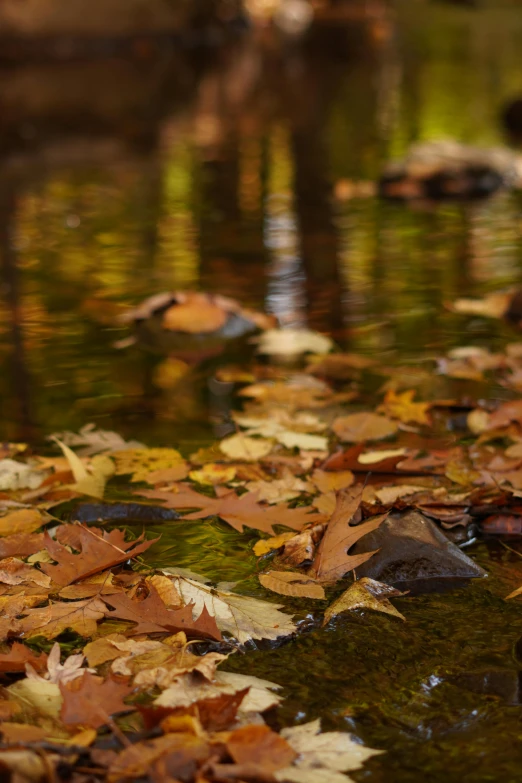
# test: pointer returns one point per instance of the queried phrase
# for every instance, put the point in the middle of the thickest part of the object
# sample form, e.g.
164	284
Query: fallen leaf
189	689
358	427
197	315
141	463
328	481
88	482
259	745
322	757
152	616
402	407
90	701
365	593
243	447
95	441
17	657
266	545
388	495
374	457
243	617
280	490
289	342
15	572
17	475
56	671
26	520
292	584
21	544
332	560
160	758
214	473
98	552
50	621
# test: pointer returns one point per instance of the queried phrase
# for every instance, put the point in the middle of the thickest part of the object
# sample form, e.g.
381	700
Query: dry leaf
242	447
141	463
292	584
280	490
359	427
332	561
401	406
289	342
17	475
25	520
259	745
364	594
332	481
266	545
90	701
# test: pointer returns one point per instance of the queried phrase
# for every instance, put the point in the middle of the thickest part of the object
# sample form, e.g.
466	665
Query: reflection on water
222	177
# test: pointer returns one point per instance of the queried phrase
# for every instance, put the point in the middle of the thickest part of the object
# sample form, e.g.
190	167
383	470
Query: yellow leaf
291	583
244	448
364	594
401	406
267	545
214	473
142	462
26	520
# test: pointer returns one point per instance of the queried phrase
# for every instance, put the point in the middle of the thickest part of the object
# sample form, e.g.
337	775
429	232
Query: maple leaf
152	616
332	560
90	701
18	656
401	406
96	553
258	744
243	617
237	511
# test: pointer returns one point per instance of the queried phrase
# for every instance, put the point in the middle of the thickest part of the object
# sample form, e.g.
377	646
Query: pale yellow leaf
292	584
242	447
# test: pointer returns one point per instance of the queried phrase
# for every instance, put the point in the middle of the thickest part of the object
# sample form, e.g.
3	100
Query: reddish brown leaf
502	524
172	757
18	656
21	544
152	616
258	744
214	714
89	701
332	560
96	553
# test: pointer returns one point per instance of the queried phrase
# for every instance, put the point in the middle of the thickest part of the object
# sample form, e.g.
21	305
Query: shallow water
221	174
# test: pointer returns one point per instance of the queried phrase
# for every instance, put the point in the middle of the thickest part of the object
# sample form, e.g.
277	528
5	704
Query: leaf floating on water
359	427
365	593
242	447
289	342
144	463
292	584
267	545
241	616
322	758
333	560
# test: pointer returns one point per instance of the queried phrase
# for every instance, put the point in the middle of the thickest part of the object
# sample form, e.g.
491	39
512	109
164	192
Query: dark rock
94	513
503	683
415	555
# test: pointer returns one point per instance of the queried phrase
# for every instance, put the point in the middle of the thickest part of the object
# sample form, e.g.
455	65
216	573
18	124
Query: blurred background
231	146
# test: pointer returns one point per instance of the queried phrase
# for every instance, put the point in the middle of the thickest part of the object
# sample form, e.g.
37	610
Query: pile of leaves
110	667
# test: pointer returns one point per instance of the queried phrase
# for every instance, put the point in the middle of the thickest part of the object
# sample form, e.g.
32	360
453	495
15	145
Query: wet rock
415	555
503	683
94	513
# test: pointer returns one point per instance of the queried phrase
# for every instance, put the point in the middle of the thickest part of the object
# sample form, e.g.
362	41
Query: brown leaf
52	620
332	560
328	481
215	714
89	701
152	616
358	427
255	744
291	583
96	553
168	758
25	520
365	594
239	512
18	656
15	572
21	544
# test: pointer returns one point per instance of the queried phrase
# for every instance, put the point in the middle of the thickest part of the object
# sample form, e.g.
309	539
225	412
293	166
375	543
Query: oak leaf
97	552
90	701
333	560
292	584
152	616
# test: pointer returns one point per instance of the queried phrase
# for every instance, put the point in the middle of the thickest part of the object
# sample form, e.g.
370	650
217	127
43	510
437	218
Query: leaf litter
149	643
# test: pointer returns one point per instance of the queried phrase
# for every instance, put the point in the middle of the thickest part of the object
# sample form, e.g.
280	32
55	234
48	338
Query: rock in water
415	555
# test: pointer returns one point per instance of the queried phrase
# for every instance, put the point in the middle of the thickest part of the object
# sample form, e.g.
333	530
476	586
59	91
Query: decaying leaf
333	560
50	621
359	427
365	594
292	583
